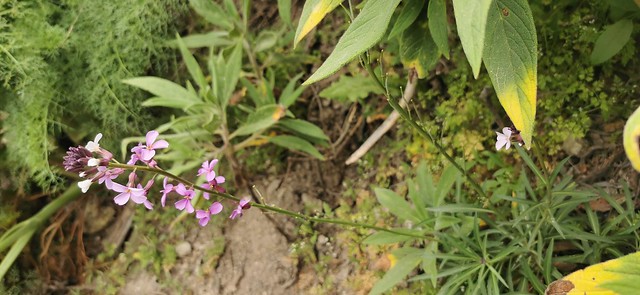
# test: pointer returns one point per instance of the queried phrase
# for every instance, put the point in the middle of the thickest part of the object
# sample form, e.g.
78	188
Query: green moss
61	66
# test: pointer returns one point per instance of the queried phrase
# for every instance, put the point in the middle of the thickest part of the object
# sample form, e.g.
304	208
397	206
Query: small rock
572	146
311	203
183	249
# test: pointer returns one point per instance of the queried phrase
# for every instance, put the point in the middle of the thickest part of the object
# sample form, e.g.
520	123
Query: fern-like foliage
61	67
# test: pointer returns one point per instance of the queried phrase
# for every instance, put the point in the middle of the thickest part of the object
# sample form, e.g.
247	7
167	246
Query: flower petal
160	144
84	185
201	214
121	199
204	221
151	137
215	208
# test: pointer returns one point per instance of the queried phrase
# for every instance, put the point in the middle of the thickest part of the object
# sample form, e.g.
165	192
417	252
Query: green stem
405	115
263	206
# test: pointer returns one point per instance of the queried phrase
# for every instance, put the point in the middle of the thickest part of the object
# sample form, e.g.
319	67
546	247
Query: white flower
93	162
83	174
93	145
504	138
84	185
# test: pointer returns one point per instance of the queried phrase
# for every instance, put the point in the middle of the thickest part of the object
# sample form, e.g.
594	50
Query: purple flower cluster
91	162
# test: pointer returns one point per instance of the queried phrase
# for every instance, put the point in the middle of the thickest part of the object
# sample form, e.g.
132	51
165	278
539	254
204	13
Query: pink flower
107	176
137	195
185	203
214	185
244	204
205	215
149	150
207	168
168	187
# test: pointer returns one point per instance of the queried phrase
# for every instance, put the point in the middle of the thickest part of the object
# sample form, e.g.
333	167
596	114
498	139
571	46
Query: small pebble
183	249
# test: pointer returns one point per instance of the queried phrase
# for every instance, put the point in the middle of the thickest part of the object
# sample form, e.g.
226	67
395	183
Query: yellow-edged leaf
510	56
613	277
312	13
631	139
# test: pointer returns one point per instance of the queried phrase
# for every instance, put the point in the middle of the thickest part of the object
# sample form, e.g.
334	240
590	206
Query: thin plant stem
405	115
263	206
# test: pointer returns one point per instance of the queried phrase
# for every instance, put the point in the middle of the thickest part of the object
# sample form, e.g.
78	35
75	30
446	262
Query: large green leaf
511	59
170	94
471	20
312	13
417	49
296	144
365	31
631	139
438	25
611	41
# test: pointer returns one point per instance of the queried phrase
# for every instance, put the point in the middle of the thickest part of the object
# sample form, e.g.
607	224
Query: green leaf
383	237
396	204
351	88
449	176
398	272
611	41
290	94
265	40
312	13
212	12
511	58
296	144
631	139
225	74
303	127
437	16
168	94
192	65
284	9
471	20
417	49
211	39
458	208
365	31
263	118
408	15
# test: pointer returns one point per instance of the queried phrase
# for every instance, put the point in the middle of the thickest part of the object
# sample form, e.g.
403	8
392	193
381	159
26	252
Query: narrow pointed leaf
365	31
510	55
438	25
171	94
312	13
296	144
471	20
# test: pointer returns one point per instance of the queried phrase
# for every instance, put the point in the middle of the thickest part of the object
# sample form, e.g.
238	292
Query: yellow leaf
611	277
631	139
312	13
